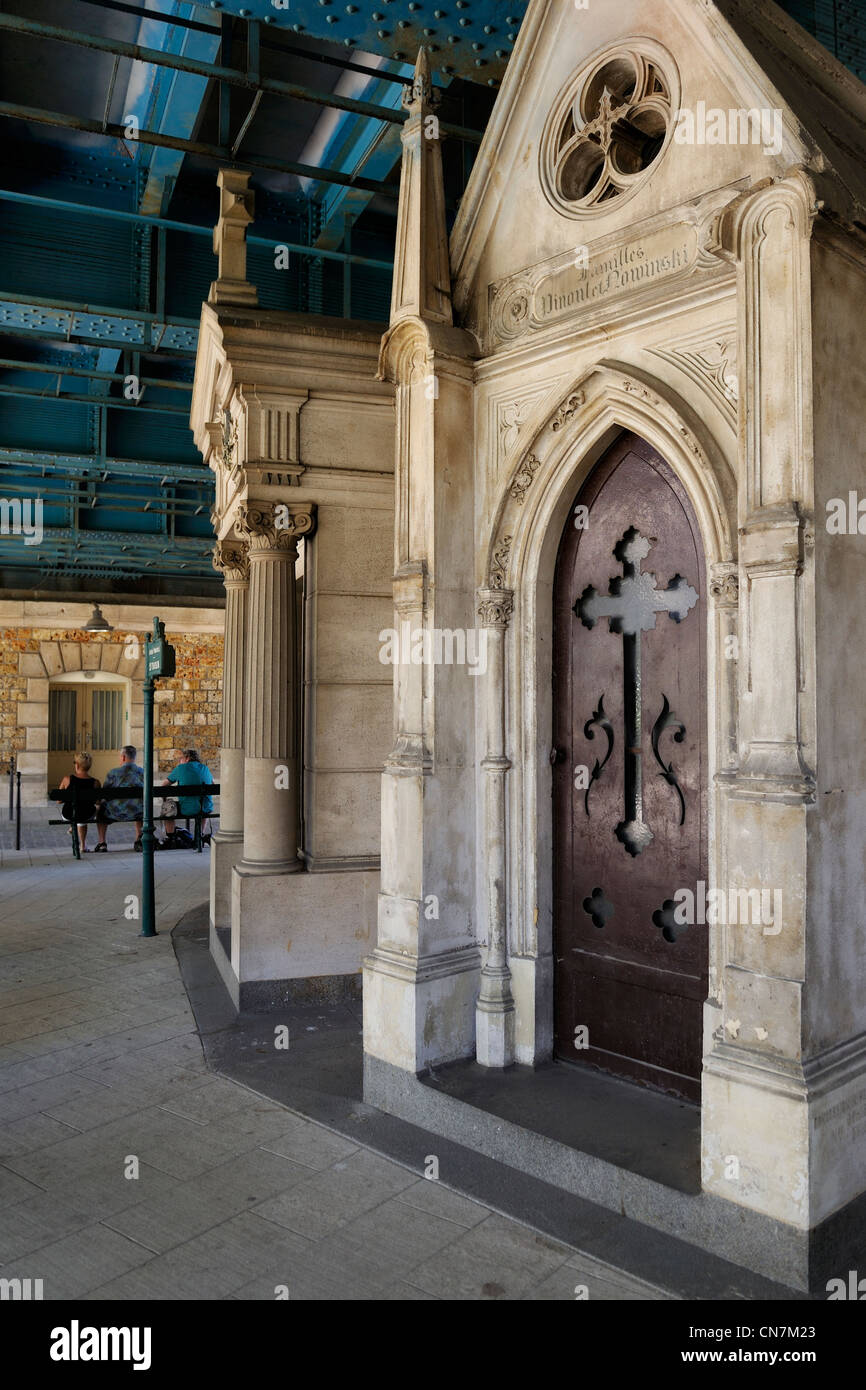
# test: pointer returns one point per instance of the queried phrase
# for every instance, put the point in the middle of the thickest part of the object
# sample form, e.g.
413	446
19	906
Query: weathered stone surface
711	304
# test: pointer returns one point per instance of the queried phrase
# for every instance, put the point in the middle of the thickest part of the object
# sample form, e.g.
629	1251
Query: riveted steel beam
96	323
98	465
112	402
156	56
219	154
330	59
171	225
16	364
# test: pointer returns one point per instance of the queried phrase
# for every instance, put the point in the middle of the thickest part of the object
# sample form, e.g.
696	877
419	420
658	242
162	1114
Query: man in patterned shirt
127	776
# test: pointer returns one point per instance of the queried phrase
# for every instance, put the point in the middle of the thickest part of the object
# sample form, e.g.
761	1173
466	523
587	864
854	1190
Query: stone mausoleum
611	445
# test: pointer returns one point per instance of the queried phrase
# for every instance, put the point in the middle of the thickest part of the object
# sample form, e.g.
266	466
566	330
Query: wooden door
629	774
84	718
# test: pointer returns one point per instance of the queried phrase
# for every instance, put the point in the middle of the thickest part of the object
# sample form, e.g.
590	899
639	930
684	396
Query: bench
74	795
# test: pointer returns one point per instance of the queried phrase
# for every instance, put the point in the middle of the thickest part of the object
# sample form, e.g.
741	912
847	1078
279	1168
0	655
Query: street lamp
97	621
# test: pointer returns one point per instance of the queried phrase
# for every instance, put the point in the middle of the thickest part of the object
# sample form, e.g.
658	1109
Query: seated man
128	776
190	772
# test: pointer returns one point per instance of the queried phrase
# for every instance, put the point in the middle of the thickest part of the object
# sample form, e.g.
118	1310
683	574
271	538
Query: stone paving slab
236	1196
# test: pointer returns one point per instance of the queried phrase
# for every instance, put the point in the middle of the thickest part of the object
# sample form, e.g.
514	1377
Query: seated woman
85	800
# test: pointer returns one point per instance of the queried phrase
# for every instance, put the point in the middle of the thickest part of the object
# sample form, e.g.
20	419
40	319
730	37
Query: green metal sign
158	658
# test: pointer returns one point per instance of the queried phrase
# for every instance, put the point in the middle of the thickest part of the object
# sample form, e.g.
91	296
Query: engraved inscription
628	268
559	288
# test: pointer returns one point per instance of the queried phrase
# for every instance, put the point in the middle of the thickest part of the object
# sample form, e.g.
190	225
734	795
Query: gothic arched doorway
630	774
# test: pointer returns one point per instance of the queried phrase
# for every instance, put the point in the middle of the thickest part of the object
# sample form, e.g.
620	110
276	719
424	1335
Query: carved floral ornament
529	465
230	557
499	563
607	128
725	584
229	440
275	526
495	607
522	480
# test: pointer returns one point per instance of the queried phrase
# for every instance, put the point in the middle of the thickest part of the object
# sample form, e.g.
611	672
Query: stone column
230	558
494	1018
271	763
759	1100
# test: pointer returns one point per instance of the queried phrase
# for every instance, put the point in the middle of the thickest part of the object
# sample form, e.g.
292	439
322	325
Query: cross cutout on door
631	606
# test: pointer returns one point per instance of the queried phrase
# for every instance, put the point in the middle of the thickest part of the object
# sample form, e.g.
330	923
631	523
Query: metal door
629	774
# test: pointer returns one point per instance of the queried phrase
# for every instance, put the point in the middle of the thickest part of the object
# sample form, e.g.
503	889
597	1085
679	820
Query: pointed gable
618	114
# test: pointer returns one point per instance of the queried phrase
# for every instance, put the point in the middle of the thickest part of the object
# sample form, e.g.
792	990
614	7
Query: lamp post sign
159	663
158	654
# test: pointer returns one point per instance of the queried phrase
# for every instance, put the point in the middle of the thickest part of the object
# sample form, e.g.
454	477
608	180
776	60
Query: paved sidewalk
102	1075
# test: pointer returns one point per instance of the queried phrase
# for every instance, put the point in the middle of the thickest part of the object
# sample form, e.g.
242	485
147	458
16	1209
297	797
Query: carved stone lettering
560	287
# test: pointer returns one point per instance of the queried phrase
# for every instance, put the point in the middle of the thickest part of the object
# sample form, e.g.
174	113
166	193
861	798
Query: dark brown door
629	785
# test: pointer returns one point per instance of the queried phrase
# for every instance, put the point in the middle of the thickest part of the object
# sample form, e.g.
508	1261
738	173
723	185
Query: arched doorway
88	712
630	774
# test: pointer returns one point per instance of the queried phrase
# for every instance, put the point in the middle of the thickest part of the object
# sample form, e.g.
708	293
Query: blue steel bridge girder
167	101
130	328
470	38
122	553
169	224
77	364
371	148
103	403
87	465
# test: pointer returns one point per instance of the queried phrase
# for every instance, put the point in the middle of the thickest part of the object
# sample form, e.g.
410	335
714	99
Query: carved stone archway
520	561
56	656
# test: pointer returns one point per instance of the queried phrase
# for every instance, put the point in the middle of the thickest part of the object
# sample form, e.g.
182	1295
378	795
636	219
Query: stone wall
188	711
189	708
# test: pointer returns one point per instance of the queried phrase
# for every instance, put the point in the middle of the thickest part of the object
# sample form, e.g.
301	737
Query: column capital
232	560
495	607
275	526
725	584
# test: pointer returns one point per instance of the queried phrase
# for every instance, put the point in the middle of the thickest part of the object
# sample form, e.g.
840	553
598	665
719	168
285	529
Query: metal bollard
18	811
11	788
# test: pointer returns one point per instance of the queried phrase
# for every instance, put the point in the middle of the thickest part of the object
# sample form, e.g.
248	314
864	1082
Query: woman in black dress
86	788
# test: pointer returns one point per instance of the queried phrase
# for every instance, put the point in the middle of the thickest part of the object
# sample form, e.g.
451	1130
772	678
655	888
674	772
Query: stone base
225	852
494	1037
260	996
34	792
220	949
802	1259
790	1146
227	291
420	1013
300	926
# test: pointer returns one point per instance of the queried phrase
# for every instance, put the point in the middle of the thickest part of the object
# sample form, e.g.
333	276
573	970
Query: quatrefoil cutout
607	128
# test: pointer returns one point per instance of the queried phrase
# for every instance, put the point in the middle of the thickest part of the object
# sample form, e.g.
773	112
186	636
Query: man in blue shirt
128	776
190	772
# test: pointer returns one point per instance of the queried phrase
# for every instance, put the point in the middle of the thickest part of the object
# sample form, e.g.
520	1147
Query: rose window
606	130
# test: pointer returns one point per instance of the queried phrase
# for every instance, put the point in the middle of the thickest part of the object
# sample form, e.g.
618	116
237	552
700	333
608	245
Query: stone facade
40	642
299	433
612	270
703	294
